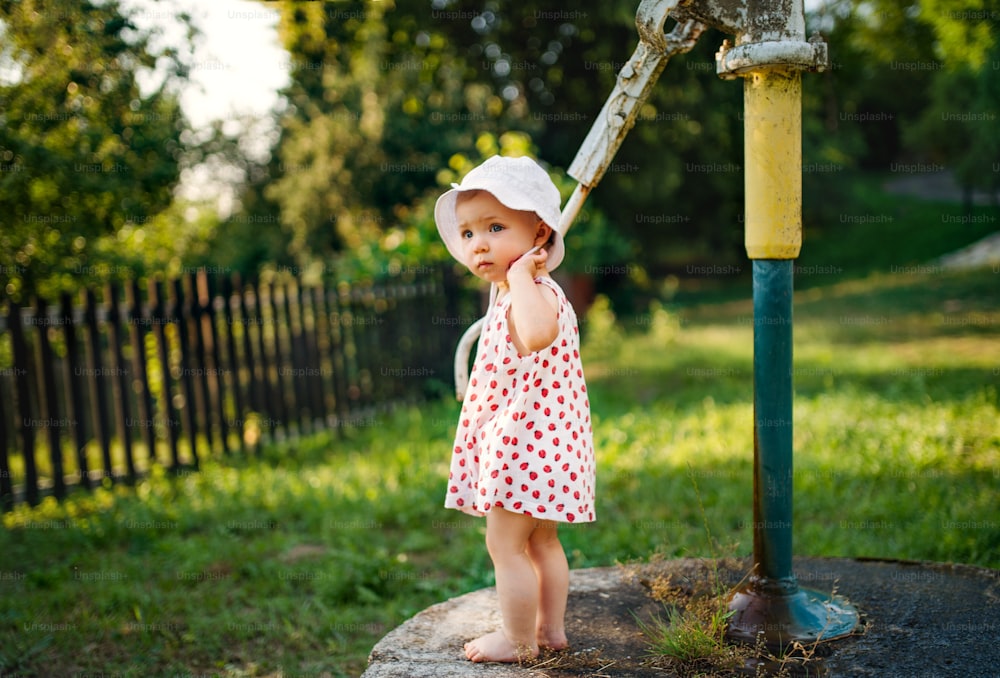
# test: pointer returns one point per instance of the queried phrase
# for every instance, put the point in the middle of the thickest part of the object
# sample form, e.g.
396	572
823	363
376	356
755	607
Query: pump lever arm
635	82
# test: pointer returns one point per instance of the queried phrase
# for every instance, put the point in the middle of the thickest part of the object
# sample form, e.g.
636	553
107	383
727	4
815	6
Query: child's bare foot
552	639
494	647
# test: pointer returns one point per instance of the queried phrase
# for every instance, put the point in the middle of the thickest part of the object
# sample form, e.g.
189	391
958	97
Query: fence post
321	348
6	482
296	401
97	395
254	386
48	402
293	365
74	403
119	378
198	367
310	360
159	315
352	352
312	332
361	327
283	394
233	362
137	337
177	312
25	427
338	361
214	389
266	402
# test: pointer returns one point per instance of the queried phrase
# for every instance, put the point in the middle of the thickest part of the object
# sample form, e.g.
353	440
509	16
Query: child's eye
466	234
496	228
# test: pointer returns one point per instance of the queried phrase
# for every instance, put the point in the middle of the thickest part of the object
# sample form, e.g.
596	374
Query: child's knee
545	537
502	543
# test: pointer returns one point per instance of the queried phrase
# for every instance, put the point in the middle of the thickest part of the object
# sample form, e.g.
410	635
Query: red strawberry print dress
524	440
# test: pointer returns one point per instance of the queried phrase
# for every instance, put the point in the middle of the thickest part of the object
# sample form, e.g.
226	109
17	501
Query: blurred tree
879	79
248	235
377	104
83	151
916	82
965	31
983	170
961	126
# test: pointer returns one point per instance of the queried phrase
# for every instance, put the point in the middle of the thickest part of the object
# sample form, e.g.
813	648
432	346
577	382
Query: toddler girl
523	453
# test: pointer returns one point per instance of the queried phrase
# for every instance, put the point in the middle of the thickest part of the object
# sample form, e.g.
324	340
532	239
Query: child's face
493	235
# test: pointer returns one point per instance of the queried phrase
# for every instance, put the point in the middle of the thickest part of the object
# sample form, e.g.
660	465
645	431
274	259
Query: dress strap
552	285
541	280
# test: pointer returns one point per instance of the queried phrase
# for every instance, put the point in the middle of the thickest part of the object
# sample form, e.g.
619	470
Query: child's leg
549	560
507	537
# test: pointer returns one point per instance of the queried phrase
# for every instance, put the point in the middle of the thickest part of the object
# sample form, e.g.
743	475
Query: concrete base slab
917	619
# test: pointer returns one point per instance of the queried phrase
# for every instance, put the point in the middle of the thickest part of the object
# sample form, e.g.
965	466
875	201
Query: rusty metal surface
773	21
767	35
728	16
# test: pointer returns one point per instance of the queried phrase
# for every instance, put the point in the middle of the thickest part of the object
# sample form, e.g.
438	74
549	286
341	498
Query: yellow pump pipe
772	101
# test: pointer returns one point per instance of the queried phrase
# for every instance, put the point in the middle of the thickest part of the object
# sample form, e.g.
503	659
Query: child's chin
490	275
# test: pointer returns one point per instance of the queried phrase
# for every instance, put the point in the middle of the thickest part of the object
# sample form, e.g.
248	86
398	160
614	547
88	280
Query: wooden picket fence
110	382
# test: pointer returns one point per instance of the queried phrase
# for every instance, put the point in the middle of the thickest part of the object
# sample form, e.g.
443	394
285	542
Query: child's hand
534	308
531	262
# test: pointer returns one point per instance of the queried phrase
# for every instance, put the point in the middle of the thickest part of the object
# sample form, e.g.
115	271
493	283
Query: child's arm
534	308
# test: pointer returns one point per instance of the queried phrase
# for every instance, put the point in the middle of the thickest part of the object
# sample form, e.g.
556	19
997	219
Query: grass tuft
692	634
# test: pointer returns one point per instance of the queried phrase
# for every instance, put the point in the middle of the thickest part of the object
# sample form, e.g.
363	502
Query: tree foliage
962	122
84	152
380	98
917	81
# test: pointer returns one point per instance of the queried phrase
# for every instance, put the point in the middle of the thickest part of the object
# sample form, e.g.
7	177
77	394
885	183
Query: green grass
685	637
296	564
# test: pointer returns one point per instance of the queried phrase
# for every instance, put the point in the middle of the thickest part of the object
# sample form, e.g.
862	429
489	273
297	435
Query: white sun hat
519	184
